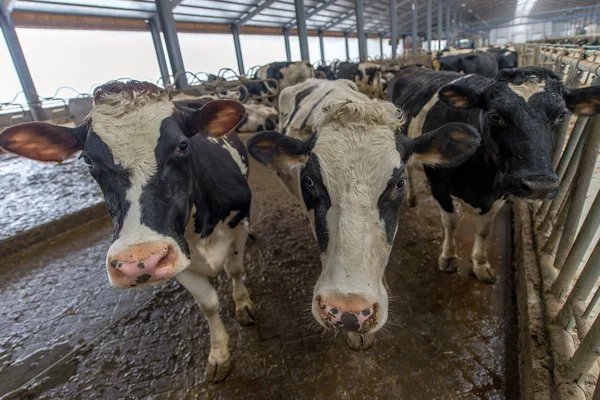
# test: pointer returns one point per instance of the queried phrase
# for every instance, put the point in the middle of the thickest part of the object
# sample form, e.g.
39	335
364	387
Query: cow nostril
350	322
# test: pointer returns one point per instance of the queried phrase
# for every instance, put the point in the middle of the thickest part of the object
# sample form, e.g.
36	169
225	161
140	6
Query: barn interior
66	333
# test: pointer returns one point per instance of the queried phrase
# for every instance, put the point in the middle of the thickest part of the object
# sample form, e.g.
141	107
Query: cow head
519	113
350	177
144	153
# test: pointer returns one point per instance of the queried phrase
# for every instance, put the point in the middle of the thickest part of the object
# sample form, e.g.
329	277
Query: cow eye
495	117
182	147
86	160
562	116
400	184
308	182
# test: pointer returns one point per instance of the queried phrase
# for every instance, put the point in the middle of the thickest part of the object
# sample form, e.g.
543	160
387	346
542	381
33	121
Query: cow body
479	62
286	73
342	156
175	186
367	76
516	114
505	57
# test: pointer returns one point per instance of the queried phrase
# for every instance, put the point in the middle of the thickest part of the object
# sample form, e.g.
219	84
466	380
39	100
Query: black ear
584	101
217	118
277	150
458	96
449	145
43	142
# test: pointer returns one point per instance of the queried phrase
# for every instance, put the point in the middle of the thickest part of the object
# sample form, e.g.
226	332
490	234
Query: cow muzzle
351	313
142	264
535	187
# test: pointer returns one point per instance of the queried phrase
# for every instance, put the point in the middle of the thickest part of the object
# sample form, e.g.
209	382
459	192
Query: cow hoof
448	264
246	314
217	371
359	342
484	273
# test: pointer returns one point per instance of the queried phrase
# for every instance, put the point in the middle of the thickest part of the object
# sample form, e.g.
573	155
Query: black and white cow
505	57
367	76
175	184
342	156
516	113
479	62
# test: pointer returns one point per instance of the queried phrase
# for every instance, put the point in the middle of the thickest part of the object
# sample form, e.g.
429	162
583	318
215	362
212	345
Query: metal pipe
322	46
439	27
590	308
360	29
347	42
286	39
586	354
448	38
302	32
235	31
428	25
381	45
554	239
585	173
167	23
18	59
394	27
160	53
415	38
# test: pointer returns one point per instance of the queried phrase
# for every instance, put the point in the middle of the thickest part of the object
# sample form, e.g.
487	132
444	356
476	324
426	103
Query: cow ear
458	96
584	101
43	142
278	151
449	145
217	118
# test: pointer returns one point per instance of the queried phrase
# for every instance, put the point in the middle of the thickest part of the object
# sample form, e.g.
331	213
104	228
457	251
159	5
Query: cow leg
219	358
479	257
409	187
448	260
244	308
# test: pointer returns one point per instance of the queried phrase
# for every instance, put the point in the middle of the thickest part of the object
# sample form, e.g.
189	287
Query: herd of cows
173	171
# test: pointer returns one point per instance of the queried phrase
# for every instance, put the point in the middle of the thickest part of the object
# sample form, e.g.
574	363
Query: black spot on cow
141	265
365	312
371	73
143	278
297	101
350	322
334	311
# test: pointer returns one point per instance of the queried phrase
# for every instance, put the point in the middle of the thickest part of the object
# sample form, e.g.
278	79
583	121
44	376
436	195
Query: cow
341	155
367	76
479	62
505	57
516	113
175	185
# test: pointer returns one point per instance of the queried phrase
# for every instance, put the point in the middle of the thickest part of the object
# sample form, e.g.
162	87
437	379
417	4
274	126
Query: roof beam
175	3
313	11
258	8
343	17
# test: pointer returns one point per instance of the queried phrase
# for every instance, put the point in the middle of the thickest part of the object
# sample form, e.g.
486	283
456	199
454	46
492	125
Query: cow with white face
175	184
343	156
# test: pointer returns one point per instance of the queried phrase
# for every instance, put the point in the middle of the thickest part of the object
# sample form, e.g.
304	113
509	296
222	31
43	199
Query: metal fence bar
592	304
586	354
560	138
582	184
554	239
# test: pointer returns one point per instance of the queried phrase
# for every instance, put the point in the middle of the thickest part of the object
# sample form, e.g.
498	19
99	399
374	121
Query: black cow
504	57
479	62
516	113
286	74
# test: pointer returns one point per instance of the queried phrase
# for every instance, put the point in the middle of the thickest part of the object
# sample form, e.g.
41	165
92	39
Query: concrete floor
64	333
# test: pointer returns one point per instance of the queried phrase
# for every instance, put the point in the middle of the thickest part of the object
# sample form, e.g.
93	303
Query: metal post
394	27
429	25
560	137
381	45
360	29
167	23
439	27
160	53
235	31
586	354
302	32
346	37
286	39
322	45
448	22
415	38
18	59
585	172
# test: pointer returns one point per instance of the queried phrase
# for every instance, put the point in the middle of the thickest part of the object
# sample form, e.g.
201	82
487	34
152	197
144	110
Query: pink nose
348	313
142	264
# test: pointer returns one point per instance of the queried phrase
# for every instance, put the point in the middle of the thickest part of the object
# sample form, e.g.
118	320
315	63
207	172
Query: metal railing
566	234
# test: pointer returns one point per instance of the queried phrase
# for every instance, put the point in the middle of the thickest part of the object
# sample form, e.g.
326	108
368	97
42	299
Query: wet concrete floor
64	333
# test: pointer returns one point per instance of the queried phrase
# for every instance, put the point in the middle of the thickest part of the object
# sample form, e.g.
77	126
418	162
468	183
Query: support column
18	59
415	33
322	46
167	23
160	53
381	45
439	27
346	37
235	31
394	27
288	49
429	25
302	33
448	28
360	29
